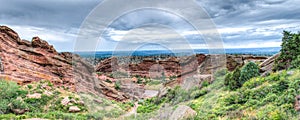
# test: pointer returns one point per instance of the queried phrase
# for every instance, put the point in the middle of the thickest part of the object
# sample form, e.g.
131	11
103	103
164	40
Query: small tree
249	71
234	81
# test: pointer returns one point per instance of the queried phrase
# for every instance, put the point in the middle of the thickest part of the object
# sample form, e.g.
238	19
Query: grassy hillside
43	100
270	97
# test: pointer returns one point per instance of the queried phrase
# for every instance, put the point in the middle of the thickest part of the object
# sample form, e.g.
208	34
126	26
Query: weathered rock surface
182	112
74	109
19	111
196	81
29	61
35	95
134	91
267	66
151	68
181	67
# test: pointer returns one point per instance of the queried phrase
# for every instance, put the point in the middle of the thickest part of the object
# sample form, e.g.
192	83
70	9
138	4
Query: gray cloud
240	22
48	13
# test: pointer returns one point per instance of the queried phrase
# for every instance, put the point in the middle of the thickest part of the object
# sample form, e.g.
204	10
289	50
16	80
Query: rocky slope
28	61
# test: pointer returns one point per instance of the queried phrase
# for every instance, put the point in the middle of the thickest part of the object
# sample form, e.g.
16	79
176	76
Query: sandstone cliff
28	61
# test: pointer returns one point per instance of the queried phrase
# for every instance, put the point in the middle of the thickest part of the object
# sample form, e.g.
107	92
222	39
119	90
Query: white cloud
50	35
254	44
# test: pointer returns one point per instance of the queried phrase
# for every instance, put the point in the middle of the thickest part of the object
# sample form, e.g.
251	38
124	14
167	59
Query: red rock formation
178	66
173	66
25	62
266	67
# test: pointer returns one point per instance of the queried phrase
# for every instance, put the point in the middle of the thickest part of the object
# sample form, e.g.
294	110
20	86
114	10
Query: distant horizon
245	51
174	49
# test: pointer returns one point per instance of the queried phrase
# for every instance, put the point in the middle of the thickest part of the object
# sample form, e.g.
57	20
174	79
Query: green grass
50	107
270	97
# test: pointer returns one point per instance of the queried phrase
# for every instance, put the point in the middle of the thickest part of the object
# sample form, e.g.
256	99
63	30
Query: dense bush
249	71
296	62
289	52
149	105
238	77
9	91
220	73
173	97
234	82
227	78
262	98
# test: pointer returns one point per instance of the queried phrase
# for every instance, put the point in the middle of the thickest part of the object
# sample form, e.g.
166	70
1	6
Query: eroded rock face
180	67
172	66
267	66
182	112
25	62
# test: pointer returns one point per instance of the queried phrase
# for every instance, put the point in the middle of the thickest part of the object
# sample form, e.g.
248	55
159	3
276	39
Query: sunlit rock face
29	61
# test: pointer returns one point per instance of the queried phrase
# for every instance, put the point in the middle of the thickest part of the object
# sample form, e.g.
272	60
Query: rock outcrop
172	66
267	66
182	112
29	61
74	109
180	67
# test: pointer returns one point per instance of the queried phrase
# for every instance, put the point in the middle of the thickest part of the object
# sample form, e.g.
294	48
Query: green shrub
139	80
238	77
221	73
227	79
118	85
249	71
204	83
173	77
197	93
148	106
29	86
9	91
19	104
296	62
108	81
234	82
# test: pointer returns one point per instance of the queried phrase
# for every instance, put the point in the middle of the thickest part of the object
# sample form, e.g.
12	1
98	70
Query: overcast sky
241	23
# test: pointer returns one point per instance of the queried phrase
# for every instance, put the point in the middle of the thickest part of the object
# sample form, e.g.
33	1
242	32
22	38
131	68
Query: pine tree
234	81
290	50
